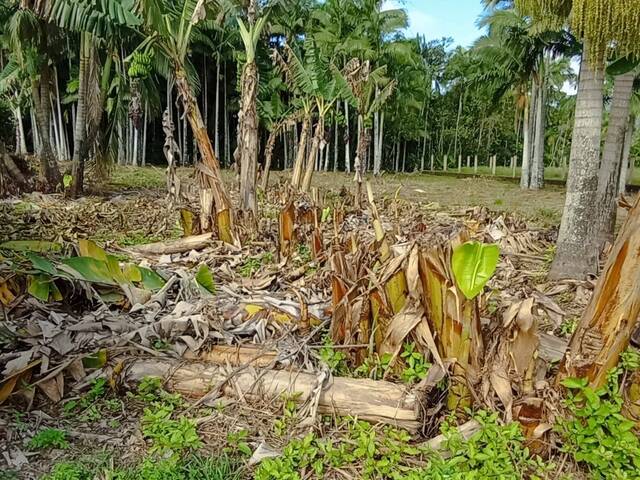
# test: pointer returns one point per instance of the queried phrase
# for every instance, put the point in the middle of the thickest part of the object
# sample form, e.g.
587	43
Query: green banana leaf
204	279
473	266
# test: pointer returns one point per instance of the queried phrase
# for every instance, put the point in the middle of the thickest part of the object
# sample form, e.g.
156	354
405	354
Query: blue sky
442	18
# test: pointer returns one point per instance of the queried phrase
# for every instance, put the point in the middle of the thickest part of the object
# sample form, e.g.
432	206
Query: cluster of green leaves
598	435
49	438
167	434
335	359
374	367
281	425
303	254
251	265
89	407
150	391
417	367
237	443
496	451
191	467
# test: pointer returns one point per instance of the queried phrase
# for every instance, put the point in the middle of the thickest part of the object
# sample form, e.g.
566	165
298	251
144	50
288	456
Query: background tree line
273	84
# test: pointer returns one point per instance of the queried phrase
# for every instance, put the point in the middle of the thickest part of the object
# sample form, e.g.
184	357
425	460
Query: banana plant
248	143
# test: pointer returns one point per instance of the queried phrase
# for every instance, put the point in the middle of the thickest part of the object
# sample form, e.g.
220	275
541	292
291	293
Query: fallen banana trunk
181	245
370	400
236	355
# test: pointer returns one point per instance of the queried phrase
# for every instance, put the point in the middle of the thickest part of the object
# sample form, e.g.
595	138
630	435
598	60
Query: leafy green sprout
49	438
417	367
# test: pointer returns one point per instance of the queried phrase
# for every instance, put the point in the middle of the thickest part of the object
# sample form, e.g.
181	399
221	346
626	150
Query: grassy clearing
438	191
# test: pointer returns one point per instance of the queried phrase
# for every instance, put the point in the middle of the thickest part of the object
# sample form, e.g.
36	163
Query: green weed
253	264
237	442
49	438
167	434
281	425
598	435
193	467
568	326
374	367
70	471
417	367
497	451
335	359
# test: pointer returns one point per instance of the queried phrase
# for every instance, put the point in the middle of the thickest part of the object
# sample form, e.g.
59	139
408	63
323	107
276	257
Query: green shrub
497	451
49	438
599	436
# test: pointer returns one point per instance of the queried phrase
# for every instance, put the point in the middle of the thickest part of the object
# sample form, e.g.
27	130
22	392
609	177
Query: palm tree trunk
80	131
380	142
21	143
626	156
336	153
213	193
49	175
608	176
576	252
63	137
268	154
455	146
313	153
347	143
227	136
144	135
527	134
537	170
363	147
298	166
248	143
205	95
217	112
404	157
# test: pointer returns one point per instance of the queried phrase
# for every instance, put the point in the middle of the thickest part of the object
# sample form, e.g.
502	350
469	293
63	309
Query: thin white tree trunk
455	147
610	166
217	112
21	144
336	151
525	174
134	155
537	170
144	135
62	130
626	154
347	145
121	151
227	137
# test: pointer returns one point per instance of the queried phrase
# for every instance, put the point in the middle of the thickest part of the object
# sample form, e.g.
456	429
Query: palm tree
518	54
380	26
368	91
608	178
33	42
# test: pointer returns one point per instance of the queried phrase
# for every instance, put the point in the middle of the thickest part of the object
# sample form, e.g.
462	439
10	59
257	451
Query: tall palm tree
369	90
35	42
611	164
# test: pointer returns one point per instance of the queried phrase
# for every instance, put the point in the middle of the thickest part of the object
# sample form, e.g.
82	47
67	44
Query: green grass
134	178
